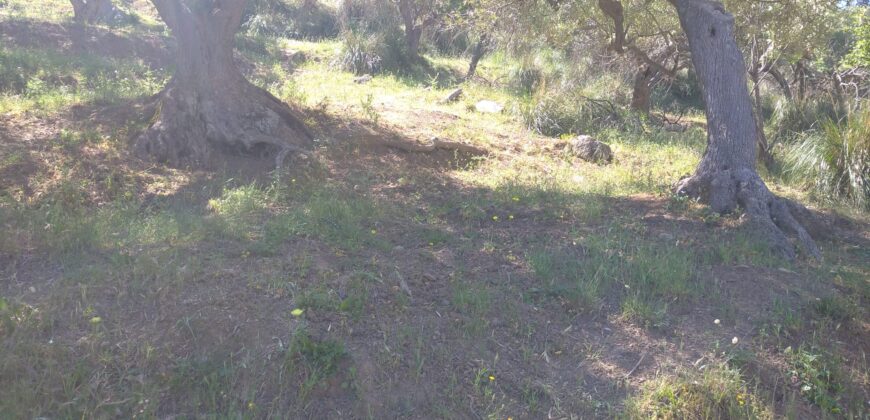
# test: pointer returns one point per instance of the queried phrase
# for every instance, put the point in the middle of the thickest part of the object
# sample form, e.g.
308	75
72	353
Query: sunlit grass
44	81
45	10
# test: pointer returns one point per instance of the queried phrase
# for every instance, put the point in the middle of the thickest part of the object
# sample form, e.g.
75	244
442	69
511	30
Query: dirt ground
438	309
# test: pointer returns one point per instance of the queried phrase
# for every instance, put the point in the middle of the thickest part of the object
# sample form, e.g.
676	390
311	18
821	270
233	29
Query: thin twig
636	365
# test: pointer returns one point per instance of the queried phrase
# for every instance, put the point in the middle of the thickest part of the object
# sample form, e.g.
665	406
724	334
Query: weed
208	384
320	298
566	275
817	377
354	303
369	110
534	395
473	300
315	360
836	308
717	392
788	316
639	308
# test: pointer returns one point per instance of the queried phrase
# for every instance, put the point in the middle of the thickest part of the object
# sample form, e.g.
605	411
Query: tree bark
411	14
640	95
412	37
800	75
726	178
780	79
92	11
614	10
208	105
476	55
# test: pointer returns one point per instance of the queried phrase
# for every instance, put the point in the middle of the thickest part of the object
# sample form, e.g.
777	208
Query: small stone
361	80
587	148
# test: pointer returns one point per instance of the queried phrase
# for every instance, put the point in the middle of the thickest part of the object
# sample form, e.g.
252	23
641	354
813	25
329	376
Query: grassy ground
368	282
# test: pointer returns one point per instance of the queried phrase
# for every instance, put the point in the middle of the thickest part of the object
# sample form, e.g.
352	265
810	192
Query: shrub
684	91
449	40
568	110
791	118
372	39
291	18
365	52
526	79
834	162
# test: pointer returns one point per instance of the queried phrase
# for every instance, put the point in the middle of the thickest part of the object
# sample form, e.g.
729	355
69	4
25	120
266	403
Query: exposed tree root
772	217
187	128
434	144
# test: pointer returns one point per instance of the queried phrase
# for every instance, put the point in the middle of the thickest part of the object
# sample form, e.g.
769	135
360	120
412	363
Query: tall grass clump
364	52
569	108
835	161
371	39
789	119
719	392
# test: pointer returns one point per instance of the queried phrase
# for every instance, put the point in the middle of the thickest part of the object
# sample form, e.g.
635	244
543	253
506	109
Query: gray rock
589	149
488	107
361	80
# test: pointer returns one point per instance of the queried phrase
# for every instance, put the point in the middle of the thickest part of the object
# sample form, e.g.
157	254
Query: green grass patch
314	360
47	81
715	393
569	276
473	300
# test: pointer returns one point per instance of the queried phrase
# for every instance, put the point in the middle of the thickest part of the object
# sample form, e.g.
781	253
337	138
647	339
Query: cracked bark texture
726	177
208	105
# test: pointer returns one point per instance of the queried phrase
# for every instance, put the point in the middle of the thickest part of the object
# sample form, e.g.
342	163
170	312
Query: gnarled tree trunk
92	11
614	10
726	177
417	17
208	105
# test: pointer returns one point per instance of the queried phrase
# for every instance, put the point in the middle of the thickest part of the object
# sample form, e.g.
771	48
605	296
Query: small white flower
717	321
734	340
